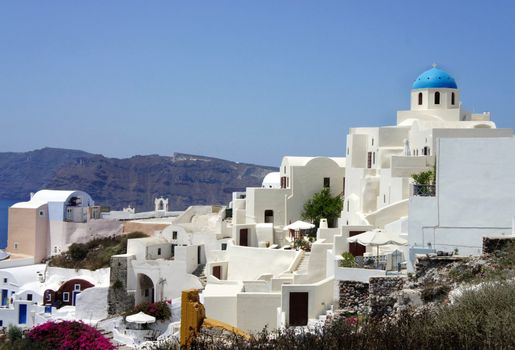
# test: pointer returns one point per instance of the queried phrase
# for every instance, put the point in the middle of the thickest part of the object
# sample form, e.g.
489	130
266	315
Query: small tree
322	205
424	178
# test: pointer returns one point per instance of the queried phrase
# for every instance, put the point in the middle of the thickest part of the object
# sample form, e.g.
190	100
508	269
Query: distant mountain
185	179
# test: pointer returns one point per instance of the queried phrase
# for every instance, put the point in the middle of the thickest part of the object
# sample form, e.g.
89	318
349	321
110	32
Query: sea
4	210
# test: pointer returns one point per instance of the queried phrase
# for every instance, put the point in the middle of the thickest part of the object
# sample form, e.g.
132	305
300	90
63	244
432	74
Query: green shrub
78	251
348	260
14	333
424	177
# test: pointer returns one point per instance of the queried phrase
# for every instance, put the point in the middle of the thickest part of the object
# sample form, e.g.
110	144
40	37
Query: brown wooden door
217	272
299	308
244	237
356	249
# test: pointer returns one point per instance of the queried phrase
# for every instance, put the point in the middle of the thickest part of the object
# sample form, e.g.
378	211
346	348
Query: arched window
419	98
452	99
437	98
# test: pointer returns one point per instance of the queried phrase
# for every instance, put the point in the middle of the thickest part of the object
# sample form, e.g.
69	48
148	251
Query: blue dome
434	78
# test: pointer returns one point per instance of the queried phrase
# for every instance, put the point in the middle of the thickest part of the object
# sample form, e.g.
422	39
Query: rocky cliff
184	179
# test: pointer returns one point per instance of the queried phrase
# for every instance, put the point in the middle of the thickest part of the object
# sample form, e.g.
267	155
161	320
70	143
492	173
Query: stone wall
353	296
118	299
430	262
496	244
383	296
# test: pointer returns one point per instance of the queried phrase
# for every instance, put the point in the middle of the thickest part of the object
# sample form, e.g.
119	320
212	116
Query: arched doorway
146	291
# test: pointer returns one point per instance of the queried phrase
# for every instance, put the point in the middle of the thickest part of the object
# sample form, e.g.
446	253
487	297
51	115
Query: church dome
434	78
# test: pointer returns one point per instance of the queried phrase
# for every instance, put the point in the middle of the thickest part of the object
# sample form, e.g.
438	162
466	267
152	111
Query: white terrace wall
257	310
91	304
247	263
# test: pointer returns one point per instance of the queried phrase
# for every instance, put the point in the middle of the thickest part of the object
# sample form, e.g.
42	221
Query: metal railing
424	190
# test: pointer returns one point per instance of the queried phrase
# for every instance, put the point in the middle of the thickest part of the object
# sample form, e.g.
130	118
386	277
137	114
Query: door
299	308
244	237
4	297
199	256
217	272
356	249
74	297
22	315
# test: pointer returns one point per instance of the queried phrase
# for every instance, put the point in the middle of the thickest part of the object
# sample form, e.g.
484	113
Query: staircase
200	272
303	265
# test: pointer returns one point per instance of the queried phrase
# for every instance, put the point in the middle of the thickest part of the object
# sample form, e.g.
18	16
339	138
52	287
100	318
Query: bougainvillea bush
160	310
67	335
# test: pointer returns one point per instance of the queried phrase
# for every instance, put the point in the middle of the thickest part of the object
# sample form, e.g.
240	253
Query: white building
474	197
260	214
23	290
52	220
381	160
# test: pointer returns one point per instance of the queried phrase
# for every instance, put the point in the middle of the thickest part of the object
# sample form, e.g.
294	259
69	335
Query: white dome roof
272	180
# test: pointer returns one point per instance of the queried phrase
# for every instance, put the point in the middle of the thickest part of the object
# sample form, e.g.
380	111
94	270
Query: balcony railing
424	190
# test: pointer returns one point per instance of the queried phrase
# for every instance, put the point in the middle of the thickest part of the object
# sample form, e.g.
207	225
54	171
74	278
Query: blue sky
248	81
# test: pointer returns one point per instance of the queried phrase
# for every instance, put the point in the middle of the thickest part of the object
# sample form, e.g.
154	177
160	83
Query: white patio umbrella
140	318
300	225
377	237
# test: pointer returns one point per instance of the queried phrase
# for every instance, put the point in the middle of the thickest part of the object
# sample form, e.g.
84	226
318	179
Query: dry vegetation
94	254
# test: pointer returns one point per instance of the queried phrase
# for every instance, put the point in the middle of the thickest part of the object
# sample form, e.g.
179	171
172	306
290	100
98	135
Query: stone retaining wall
118	299
494	244
382	296
353	296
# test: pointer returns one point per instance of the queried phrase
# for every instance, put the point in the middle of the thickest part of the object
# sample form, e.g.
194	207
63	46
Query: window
55	250
343	191
15	245
147	292
174	235
374	157
369	160
76	286
437	98
48	297
5	280
384	198
173	249
269	216
29	297
419	98
41	213
372	141
66	297
224	246
158	251
327	182
452	99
